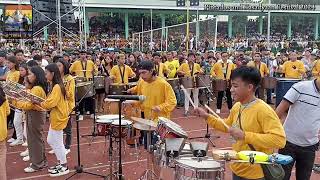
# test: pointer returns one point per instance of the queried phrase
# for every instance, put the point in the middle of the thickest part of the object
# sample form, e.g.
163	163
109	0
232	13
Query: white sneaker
25	144
16	142
218	111
59	171
51	152
11	140
67	151
29	170
25	159
53	168
88	113
25	153
80	117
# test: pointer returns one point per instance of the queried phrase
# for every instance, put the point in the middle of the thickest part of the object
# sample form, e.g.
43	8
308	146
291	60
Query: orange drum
187	82
219	85
269	83
110	106
129	108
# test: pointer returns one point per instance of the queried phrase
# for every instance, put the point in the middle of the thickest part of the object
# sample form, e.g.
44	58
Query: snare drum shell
219	85
203	81
187	82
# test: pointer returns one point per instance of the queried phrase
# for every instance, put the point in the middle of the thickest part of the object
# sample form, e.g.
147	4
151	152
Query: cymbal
144	121
143	127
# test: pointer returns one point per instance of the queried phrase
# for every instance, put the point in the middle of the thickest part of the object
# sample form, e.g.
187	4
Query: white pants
55	140
17	122
195	93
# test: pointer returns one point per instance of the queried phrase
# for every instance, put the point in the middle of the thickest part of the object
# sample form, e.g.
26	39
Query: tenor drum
99	82
219	85
174	82
80	79
192	168
129	109
104	124
117	89
126	127
169	129
187	82
203	81
283	85
269	83
110	106
85	90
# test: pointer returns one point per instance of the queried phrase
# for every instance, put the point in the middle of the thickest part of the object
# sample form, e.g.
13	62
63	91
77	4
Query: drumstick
217	116
188	95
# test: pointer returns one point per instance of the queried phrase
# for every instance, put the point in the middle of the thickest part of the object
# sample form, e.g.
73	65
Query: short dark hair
156	54
32	63
247	74
191	54
18	51
37	57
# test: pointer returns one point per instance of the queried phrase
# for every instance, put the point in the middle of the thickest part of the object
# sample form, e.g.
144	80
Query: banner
18	22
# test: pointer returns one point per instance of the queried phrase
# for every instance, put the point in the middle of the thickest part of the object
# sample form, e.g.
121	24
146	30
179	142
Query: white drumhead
165	120
109	116
110	100
203	164
123	122
104	121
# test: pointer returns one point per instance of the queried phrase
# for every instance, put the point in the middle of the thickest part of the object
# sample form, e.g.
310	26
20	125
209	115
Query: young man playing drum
302	125
121	73
222	70
190	69
251	121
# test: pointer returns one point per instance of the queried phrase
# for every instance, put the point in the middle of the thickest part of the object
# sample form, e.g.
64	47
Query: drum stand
79	167
148	174
207	135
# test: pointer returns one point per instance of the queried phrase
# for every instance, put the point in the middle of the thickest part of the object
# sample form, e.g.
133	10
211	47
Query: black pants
220	98
303	157
235	177
68	132
87	104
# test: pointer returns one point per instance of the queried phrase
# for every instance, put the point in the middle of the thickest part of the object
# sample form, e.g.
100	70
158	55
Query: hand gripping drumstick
217	116
188	95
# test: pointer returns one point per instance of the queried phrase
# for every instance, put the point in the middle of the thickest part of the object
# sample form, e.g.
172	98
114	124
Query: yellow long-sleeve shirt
172	67
13	75
158	93
116	74
316	69
59	108
189	71
291	72
262	128
161	69
262	67
36	90
70	86
78	66
4	112
220	68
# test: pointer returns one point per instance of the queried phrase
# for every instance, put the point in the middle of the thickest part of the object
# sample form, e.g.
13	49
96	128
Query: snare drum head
123	122
109	116
192	162
110	100
164	120
105	121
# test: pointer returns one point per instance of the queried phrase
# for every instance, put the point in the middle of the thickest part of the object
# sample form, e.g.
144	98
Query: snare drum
99	82
187	82
104	123
174	82
193	169
83	88
117	89
131	85
269	83
169	129
203	81
110	106
219	85
126	127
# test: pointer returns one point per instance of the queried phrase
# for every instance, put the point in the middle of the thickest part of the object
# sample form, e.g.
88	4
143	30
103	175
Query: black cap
146	65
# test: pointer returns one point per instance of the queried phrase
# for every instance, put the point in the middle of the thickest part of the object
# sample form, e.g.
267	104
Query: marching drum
104	124
192	168
187	82
219	85
203	81
80	79
169	129
174	82
126	127
283	85
99	82
269	83
117	89
83	88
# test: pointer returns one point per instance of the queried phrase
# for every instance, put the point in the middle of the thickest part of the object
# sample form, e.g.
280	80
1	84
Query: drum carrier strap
122	73
84	68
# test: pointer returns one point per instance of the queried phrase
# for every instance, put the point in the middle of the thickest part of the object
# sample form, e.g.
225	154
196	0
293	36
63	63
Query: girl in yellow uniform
35	119
57	103
4	112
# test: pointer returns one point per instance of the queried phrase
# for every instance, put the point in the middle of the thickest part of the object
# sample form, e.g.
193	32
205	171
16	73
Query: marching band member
263	69
35	119
222	70
190	69
316	69
121	73
84	68
58	105
293	68
251	122
172	65
160	68
4	112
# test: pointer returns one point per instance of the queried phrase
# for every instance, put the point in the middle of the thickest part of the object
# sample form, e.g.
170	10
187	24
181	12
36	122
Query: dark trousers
68	132
269	93
87	104
235	177
303	157
220	98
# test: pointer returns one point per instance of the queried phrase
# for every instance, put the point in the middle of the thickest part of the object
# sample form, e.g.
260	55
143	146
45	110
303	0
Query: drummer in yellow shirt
83	67
190	69
263	69
121	73
293	68
172	65
13	74
160	68
251	121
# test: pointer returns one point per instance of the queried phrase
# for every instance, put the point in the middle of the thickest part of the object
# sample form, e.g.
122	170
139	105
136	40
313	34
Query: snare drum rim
177	163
